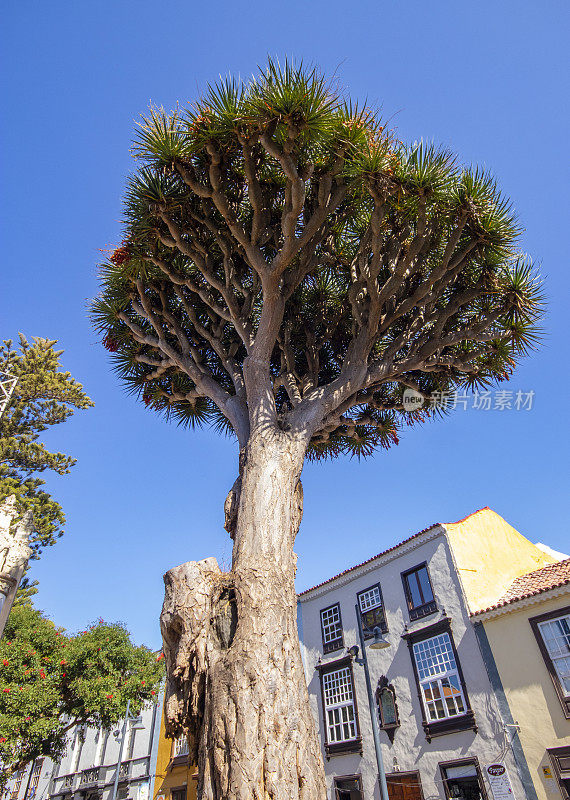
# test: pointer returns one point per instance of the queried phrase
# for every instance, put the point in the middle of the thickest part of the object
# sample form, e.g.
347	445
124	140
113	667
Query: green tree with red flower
51	681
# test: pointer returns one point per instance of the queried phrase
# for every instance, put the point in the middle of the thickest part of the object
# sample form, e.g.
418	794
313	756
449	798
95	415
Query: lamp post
379	643
136	725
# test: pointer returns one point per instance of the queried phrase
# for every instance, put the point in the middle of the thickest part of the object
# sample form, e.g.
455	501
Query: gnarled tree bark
236	684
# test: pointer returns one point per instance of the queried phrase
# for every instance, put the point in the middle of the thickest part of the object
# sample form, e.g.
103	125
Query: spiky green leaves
396	257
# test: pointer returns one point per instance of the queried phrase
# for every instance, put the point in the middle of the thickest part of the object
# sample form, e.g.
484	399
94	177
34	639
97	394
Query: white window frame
558	655
332	626
371	599
15	791
340	712
432	676
180	746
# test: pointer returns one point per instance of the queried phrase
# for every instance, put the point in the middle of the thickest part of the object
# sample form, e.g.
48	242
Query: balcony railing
91	775
68	781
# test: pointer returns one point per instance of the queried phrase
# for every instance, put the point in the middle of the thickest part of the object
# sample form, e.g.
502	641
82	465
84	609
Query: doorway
404	786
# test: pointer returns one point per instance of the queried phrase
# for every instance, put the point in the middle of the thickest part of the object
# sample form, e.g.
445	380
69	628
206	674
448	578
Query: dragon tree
288	269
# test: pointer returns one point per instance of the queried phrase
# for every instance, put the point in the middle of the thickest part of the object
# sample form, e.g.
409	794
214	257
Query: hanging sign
499	781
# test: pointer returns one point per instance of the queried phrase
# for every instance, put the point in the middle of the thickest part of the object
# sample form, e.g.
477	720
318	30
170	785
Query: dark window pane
425	585
414	589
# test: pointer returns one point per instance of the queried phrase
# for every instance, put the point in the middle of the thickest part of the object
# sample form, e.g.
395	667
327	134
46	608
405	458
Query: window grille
371	608
442	692
331	625
180	746
339	705
35	778
17	784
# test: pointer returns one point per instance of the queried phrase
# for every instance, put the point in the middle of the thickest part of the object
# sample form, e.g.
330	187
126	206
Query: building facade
441	725
525	636
87	770
176	777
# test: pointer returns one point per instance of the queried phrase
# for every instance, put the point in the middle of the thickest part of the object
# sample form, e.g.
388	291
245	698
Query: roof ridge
372	558
560	576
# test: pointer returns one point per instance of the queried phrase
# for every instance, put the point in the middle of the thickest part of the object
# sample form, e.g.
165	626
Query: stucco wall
489	554
410	750
52	776
528	687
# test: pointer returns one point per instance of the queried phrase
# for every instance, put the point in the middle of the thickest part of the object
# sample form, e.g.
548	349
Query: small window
348	787
552	632
331	625
371	608
419	594
556	635
179	794
17	784
34	779
442	693
462	779
180	746
560	758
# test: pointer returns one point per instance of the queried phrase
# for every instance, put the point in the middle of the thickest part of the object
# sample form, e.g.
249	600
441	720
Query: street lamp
379	643
136	725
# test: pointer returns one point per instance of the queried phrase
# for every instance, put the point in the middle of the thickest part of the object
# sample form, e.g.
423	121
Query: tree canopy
44	396
51	681
276	220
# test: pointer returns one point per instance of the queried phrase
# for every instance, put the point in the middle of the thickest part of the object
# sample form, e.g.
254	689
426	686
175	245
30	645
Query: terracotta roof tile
384	552
552	576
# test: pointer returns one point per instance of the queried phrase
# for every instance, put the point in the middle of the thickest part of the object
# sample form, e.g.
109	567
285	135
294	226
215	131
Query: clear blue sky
485	78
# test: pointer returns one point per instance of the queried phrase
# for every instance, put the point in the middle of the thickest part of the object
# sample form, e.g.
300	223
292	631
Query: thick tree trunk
236	683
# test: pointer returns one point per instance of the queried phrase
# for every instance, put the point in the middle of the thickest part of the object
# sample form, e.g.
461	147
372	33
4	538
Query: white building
87	770
440	722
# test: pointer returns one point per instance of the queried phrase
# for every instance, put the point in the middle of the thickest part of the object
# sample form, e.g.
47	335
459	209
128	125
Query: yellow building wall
528	688
171	776
489	553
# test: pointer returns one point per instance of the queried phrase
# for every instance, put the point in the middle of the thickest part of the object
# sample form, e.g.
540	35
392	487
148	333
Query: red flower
121	255
109	696
42	674
2	739
160	656
143	683
153	692
63	661
5	662
63	674
5	690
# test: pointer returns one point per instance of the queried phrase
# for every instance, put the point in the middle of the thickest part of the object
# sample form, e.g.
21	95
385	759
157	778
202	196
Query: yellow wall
529	690
489	554
169	777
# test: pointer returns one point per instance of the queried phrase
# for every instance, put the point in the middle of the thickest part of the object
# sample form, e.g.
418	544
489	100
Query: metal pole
123	733
373	714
